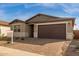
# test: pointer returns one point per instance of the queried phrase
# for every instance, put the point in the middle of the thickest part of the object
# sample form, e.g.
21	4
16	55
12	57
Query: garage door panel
55	31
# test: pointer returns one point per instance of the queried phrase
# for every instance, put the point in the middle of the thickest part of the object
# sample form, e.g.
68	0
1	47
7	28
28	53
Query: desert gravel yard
50	47
73	49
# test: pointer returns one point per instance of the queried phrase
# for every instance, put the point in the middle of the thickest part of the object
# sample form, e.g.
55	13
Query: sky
24	11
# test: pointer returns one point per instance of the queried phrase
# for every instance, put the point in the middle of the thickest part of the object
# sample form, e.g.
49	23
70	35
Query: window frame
16	28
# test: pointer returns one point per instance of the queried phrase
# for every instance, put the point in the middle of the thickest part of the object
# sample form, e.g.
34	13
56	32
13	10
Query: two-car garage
51	27
52	31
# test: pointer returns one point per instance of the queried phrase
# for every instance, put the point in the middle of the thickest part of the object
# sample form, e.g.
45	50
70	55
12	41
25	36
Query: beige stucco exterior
43	20
24	30
3	30
69	28
69	32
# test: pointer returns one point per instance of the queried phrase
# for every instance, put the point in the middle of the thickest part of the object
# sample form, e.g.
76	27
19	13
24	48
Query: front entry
31	30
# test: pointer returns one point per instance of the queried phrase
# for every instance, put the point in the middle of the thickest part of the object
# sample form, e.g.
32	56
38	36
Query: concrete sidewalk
4	51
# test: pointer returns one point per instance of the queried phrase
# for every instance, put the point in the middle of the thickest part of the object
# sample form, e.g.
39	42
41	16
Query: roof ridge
16	20
48	16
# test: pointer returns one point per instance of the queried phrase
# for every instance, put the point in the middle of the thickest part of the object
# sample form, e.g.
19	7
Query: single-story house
4	26
44	26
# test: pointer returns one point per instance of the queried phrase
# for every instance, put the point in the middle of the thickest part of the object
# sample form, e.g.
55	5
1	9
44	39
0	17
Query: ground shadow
38	41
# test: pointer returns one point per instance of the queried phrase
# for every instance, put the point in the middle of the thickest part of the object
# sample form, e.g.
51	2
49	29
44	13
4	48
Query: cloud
2	13
30	5
70	8
9	5
48	4
22	17
40	4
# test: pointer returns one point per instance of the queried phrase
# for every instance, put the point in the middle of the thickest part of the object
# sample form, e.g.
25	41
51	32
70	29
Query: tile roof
4	23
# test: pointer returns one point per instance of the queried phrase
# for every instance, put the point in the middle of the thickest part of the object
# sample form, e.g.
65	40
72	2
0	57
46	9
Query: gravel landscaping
73	49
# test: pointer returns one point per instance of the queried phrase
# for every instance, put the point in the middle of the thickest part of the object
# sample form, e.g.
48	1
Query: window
16	28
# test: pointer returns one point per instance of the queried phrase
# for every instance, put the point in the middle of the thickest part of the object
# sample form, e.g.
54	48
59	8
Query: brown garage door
54	31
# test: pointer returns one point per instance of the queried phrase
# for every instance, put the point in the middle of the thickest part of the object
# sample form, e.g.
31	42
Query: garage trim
36	27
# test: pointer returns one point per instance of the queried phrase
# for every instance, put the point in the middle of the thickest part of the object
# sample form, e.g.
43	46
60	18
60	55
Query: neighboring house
44	26
4	26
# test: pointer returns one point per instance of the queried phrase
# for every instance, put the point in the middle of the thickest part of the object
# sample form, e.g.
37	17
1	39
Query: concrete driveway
4	51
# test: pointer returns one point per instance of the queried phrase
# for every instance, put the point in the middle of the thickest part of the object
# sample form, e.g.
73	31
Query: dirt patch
40	46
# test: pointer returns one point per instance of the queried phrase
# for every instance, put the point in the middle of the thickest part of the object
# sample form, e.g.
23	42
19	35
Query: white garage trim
36	27
52	23
35	31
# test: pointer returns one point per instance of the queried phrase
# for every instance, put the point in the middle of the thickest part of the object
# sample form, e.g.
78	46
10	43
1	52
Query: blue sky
9	12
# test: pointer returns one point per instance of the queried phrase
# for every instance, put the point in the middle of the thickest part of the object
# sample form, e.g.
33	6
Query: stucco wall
4	30
24	30
35	31
69	33
22	26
